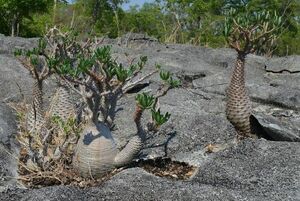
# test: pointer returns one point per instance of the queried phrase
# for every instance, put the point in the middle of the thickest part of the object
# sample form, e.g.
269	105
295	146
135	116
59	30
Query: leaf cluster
247	32
92	66
167	77
146	101
68	127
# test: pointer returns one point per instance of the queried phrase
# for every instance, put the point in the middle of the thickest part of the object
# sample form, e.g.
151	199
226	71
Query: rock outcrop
262	169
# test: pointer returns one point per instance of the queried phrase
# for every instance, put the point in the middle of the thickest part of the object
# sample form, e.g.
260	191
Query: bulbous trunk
95	152
238	108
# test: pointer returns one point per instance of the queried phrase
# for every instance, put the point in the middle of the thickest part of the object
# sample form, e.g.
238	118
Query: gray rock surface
8	127
16	81
8	148
252	170
8	169
9	44
287	64
280	130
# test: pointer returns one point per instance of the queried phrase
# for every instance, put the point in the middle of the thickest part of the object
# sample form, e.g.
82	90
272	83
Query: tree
288	10
103	15
55	2
246	33
193	21
14	11
148	19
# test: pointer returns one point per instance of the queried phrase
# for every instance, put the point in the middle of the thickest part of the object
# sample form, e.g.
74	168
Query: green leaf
142	62
164	75
121	73
28	53
18	52
131	69
158	66
52	63
144	59
159	118
35	51
174	83
34	60
110	70
145	100
103	54
85	64
42	44
65	68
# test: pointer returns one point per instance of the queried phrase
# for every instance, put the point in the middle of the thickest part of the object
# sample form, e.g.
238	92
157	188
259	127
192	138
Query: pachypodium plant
246	33
83	135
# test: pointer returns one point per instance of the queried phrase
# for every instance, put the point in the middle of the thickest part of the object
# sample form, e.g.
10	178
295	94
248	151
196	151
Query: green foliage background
197	22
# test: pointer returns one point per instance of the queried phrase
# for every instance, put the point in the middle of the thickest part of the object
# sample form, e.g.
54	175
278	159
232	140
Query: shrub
63	138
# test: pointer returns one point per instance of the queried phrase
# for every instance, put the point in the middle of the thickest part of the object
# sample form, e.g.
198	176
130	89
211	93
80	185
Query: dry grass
60	171
165	167
53	171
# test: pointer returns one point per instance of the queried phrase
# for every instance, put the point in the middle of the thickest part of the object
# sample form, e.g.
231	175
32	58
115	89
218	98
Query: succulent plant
101	82
246	33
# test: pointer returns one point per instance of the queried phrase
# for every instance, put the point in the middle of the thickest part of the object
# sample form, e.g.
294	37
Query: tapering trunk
135	144
129	152
63	107
238	108
54	11
14	24
61	104
35	115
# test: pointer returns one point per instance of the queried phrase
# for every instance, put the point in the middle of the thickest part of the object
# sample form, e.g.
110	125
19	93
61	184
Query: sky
135	2
131	3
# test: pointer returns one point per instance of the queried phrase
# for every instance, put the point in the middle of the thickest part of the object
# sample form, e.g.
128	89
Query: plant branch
132	84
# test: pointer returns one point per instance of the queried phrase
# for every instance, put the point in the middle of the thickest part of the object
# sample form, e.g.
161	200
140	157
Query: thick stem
135	144
137	119
35	122
238	108
112	109
35	116
61	104
238	75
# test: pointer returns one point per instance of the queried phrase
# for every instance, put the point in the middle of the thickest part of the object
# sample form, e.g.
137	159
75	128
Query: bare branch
161	92
132	84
